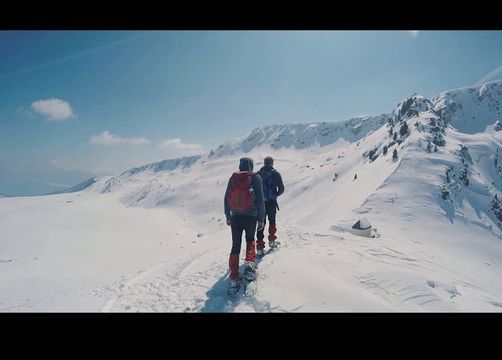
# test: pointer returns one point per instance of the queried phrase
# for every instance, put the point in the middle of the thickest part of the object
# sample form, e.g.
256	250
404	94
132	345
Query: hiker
273	187
244	208
355	177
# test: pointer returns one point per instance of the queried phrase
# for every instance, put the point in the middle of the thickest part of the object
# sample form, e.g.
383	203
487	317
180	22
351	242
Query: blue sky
99	102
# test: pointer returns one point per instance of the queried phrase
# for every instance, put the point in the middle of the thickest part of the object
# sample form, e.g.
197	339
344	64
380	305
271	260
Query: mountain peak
471	109
411	107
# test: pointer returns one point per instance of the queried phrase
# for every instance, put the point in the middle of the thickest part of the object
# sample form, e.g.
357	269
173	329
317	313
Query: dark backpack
240	194
269	186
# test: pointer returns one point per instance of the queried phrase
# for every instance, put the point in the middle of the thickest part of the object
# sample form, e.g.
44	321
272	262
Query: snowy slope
471	109
154	238
79	187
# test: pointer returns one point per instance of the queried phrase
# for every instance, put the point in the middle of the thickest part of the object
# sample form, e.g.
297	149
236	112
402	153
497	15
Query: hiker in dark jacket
273	187
244	208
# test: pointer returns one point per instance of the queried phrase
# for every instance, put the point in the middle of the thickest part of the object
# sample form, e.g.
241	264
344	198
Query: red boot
233	264
251	251
260	244
271	232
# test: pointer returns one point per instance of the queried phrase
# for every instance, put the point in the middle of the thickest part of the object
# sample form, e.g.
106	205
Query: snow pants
240	223
270	211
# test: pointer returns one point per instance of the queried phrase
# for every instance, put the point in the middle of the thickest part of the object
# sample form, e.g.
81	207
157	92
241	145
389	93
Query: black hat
246	164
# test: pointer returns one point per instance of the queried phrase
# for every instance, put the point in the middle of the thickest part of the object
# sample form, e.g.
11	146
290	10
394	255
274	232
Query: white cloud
492	75
53	109
105	138
180	148
414	33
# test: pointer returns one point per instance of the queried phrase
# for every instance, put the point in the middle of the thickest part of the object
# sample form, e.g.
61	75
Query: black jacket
272	177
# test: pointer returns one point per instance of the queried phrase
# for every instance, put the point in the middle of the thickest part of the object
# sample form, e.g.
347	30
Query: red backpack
240	194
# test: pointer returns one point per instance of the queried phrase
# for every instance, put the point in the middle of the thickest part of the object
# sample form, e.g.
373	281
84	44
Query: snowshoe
250	272
273	244
234	288
250	279
250	288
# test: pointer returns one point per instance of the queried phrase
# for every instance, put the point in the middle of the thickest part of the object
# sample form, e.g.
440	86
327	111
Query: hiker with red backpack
244	209
273	187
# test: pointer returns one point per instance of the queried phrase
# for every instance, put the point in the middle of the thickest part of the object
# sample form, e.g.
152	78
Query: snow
302	136
154	238
472	109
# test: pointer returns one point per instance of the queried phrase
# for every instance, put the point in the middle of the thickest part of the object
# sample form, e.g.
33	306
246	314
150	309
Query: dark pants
239	224
270	211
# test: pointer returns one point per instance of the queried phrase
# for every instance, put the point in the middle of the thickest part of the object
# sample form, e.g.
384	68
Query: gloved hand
229	223
261	226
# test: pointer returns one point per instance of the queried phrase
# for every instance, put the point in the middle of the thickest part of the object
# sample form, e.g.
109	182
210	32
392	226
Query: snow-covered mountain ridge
154	238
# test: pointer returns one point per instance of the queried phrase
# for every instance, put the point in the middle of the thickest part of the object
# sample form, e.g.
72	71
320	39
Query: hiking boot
272	244
260	253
